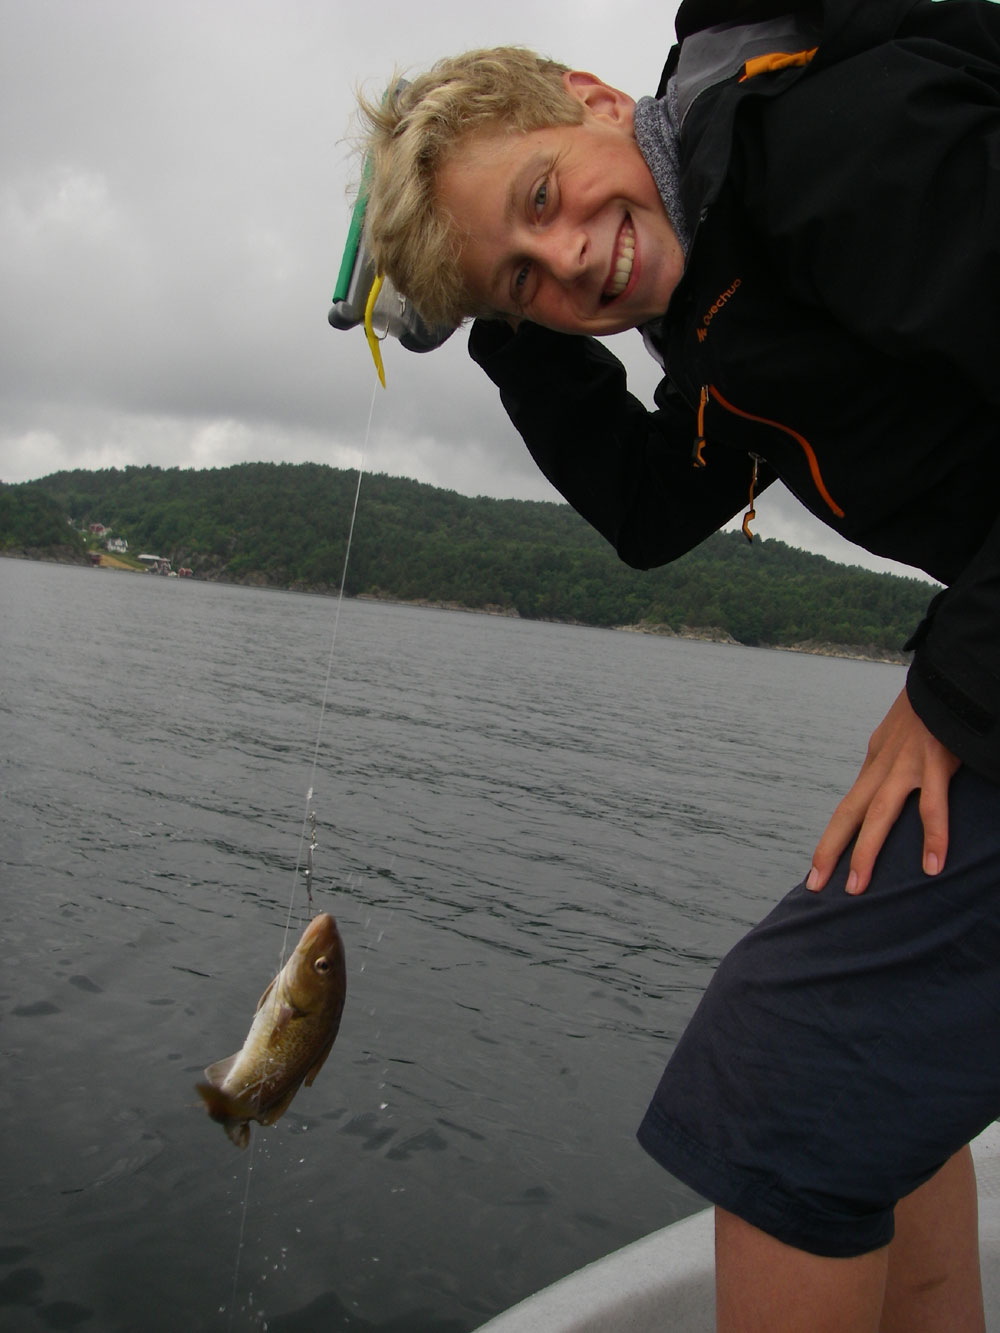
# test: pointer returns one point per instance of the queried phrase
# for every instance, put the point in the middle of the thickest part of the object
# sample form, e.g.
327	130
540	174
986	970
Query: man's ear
599	98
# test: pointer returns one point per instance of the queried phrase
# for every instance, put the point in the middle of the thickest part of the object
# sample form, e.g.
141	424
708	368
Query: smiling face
564	226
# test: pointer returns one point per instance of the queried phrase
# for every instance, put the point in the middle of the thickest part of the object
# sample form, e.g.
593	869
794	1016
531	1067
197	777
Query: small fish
291	1035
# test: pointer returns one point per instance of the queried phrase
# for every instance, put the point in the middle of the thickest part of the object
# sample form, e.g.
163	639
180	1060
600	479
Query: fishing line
309	816
243	1227
308	820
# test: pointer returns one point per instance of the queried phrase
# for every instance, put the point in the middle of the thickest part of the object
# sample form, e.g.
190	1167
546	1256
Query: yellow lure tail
370	334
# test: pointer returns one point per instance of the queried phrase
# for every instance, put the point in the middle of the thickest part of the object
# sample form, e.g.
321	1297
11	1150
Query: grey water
538	840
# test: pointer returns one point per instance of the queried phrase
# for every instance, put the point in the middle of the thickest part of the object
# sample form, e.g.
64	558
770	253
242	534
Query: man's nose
567	253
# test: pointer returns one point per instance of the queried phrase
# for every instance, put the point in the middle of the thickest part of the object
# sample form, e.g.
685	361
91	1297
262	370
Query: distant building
156	564
118	544
98	529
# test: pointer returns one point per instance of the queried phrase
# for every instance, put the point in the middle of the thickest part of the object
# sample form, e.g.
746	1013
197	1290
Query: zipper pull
751	512
697	457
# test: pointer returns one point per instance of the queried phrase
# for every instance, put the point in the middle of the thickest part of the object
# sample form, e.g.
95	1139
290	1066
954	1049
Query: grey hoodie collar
657	132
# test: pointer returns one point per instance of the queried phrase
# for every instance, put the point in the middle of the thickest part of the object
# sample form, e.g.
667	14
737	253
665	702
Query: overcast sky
173	206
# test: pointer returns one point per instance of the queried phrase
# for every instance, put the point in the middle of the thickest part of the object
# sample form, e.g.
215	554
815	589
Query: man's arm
627	470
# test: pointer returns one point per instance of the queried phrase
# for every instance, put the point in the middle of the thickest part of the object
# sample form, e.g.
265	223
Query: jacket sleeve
954	679
895	229
627	470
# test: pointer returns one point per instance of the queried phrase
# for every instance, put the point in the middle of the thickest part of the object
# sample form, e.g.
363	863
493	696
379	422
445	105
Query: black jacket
838	318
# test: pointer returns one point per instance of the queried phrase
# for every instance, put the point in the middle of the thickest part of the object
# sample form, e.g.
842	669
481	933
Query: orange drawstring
697	455
801	440
751	512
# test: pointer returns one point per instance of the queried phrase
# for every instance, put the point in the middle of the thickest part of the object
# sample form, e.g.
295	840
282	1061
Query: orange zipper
806	447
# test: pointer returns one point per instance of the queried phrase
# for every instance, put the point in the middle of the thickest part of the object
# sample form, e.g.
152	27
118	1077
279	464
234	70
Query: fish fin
327	1047
276	1111
320	1062
260	1002
283	1016
216	1074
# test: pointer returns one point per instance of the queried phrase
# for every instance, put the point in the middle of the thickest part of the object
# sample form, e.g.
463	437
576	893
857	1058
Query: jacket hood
718	34
846	25
855	23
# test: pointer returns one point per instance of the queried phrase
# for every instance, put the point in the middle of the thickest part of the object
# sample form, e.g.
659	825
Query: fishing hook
308	872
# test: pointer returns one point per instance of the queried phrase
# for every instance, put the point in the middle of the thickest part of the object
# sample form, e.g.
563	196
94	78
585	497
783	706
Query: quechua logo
718	304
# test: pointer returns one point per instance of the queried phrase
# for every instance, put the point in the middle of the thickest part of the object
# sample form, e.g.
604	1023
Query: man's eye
522	285
541	197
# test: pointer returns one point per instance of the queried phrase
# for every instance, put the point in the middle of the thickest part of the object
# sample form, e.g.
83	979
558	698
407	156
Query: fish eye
322	965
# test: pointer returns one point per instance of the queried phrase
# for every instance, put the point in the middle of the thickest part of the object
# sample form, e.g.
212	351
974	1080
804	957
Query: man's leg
926	1281
933	1281
843	1047
765	1286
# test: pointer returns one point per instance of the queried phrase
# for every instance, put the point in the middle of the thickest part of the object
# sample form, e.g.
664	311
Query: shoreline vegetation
284	526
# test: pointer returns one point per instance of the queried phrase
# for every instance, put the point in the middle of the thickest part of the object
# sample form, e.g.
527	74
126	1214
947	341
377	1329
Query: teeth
623	264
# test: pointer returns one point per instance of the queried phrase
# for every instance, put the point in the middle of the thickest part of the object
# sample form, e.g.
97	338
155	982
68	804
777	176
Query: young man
805	225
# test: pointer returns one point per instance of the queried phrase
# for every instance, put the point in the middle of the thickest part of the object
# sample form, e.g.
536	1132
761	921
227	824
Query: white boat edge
666	1279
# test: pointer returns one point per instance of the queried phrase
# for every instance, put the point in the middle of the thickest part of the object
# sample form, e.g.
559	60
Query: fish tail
239	1132
227	1110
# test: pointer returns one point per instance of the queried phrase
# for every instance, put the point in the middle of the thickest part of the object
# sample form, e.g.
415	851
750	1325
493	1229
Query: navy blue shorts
847	1046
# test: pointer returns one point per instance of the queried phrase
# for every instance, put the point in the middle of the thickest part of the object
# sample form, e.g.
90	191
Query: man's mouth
621	269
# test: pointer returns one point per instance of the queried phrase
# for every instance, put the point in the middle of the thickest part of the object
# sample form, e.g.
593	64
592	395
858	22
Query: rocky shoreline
701	634
853	652
48	555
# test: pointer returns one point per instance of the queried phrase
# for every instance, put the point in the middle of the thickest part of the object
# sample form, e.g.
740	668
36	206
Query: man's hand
902	757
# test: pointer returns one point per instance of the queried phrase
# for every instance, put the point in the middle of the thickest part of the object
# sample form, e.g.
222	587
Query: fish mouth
320	928
622	263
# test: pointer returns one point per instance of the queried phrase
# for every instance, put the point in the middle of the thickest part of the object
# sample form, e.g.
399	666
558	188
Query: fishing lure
364	296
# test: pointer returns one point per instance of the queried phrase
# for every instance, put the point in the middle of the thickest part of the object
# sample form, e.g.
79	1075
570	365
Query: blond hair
410	134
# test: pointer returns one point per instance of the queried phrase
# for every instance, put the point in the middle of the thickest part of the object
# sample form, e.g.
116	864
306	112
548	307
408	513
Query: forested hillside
286	525
31	520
